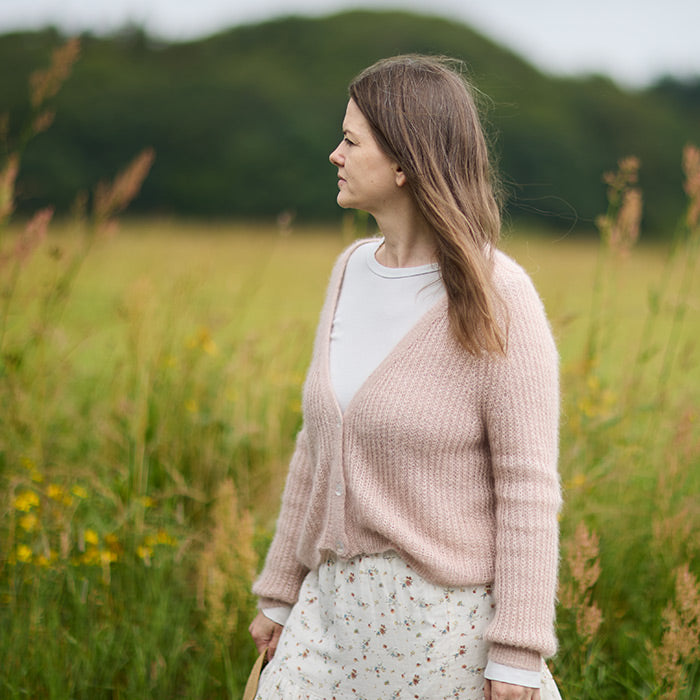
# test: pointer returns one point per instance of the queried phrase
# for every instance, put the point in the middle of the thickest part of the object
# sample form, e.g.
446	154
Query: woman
416	549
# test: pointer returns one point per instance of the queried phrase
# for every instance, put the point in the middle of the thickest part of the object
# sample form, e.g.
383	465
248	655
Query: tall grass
149	388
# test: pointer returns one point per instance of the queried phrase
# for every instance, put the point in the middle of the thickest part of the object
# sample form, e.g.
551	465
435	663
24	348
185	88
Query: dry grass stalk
8	176
227	564
691	169
577	593
33	235
680	644
112	199
45	84
677	511
619	227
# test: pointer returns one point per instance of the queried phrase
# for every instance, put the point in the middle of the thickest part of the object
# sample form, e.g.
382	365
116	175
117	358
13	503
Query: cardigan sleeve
522	415
282	575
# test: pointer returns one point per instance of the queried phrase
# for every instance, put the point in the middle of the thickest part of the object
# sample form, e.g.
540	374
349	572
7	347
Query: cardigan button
339	547
339	489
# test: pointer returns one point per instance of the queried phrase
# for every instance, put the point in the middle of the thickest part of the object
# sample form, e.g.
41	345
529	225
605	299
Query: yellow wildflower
24	553
29	522
79	492
145	552
107	556
55	492
112	541
164	538
91	557
36	476
26	500
91	537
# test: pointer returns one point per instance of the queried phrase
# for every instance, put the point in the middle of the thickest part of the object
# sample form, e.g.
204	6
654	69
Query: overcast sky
633	41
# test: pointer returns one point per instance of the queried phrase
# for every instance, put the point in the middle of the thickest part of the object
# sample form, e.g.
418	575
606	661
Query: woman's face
367	178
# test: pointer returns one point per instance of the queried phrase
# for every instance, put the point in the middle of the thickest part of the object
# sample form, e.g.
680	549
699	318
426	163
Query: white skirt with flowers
370	628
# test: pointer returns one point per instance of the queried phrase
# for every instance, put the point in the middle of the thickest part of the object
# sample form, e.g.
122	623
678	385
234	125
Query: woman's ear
399	176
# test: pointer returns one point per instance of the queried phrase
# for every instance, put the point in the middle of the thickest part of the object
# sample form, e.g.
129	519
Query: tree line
242	121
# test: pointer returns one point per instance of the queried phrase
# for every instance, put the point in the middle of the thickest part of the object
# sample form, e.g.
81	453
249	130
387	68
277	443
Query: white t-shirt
377	306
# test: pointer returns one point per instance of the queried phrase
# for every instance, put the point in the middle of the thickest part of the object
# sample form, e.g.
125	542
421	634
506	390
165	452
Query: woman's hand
497	690
265	633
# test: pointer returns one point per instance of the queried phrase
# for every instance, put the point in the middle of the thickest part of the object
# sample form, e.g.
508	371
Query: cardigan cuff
516	657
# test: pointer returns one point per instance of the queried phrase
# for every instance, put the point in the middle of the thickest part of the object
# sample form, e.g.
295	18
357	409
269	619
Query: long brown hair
424	116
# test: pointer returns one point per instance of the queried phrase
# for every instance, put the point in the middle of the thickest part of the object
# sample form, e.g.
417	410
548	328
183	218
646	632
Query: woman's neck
408	241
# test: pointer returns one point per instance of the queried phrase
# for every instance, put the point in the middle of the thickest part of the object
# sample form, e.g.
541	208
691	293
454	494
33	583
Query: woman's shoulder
509	274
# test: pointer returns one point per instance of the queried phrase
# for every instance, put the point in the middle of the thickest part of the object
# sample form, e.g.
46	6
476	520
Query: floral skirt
370	628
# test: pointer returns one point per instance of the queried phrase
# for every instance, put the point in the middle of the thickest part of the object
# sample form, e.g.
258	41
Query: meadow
150	401
150	380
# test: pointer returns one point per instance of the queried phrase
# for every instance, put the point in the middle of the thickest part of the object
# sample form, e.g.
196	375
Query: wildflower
24	553
191	406
161	537
55	492
79	492
204	341
145	552
29	522
112	541
91	537
26	500
36	476
578	480
91	557
107	556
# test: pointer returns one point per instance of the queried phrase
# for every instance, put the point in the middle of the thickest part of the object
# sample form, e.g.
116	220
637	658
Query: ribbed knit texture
446	458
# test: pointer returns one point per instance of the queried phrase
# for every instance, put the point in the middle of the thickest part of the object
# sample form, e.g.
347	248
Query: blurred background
242	101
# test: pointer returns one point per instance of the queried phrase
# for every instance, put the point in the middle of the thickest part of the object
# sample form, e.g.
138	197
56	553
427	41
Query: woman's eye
348	141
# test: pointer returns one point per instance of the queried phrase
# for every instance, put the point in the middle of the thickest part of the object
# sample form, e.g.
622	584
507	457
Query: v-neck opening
405	339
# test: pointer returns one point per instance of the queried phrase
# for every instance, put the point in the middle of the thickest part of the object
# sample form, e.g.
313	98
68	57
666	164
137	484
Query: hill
242	122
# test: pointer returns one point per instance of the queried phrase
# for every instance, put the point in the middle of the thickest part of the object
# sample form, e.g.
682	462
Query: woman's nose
335	157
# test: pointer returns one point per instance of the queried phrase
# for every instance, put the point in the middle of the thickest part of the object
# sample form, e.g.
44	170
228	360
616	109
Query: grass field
150	399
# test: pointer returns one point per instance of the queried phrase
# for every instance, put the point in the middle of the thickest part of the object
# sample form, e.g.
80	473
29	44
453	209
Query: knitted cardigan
448	458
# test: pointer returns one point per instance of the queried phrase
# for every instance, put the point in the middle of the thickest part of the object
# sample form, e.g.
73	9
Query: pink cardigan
446	458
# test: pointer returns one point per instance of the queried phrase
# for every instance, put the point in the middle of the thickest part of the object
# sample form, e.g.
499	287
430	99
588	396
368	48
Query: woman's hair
424	117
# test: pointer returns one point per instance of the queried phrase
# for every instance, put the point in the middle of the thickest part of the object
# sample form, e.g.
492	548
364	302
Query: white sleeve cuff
509	674
277	614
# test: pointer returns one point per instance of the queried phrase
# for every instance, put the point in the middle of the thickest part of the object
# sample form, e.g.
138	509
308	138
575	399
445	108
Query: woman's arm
282	575
522	413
